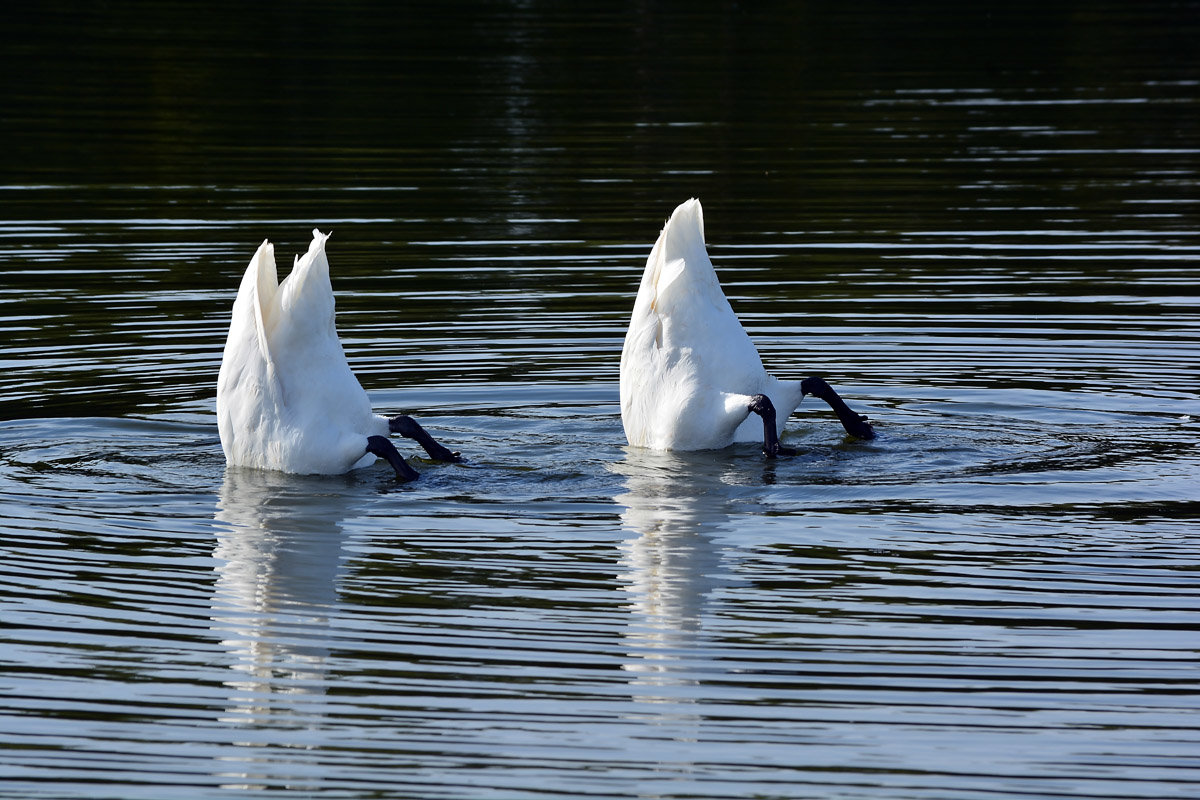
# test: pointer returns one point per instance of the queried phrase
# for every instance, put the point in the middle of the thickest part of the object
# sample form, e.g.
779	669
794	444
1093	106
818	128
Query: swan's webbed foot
408	427
855	424
383	447
761	404
779	450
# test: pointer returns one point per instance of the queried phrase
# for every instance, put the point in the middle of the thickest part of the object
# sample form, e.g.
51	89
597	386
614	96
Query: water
979	224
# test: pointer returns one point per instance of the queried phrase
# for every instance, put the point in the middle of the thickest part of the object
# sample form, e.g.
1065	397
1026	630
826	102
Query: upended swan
690	376
286	398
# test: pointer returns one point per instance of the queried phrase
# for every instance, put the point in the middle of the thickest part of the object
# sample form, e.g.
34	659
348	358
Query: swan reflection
675	506
279	563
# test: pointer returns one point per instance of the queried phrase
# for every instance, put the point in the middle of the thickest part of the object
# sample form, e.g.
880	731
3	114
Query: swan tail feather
265	296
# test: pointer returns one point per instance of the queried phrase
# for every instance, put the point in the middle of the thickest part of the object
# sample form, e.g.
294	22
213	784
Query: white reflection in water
279	554
674	505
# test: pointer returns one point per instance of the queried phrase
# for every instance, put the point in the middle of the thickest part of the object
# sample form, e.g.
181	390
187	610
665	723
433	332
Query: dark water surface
981	224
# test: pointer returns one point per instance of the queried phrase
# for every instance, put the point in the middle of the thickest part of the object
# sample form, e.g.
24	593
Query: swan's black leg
855	424
761	404
407	427
383	447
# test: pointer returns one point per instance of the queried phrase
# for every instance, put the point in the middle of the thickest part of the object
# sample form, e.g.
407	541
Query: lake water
981	225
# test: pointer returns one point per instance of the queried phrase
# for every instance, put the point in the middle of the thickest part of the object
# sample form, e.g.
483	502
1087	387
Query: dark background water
977	220
998	144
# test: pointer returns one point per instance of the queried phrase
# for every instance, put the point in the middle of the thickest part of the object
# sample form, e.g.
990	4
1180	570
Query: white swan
286	398
690	376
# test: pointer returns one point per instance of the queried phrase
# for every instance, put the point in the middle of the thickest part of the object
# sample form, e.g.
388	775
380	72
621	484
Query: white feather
286	398
688	367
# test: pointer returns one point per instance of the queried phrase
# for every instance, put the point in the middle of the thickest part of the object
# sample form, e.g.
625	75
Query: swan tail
683	235
681	266
263	282
306	292
316	248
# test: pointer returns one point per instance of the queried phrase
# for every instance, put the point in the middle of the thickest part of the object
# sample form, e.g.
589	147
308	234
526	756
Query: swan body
691	378
286	398
688	368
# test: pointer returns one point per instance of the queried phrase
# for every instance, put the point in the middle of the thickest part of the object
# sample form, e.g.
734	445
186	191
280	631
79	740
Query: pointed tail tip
684	230
692	212
690	207
318	241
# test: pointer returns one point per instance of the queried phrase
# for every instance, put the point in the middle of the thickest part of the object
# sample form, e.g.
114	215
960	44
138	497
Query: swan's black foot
855	424
780	450
407	427
383	447
761	404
